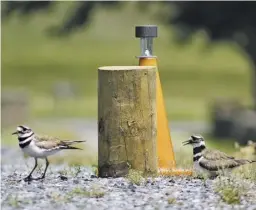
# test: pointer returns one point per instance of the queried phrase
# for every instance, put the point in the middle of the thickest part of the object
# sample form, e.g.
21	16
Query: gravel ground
78	188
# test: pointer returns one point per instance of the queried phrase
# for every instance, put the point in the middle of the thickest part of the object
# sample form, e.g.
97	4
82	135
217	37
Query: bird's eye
27	131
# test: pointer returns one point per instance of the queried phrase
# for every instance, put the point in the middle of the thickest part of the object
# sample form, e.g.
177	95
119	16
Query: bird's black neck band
24	138
199	149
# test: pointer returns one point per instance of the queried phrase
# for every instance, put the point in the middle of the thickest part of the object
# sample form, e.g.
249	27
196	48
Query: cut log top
126	68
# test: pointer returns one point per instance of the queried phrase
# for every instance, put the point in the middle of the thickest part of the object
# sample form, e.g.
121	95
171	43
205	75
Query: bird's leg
29	177
47	164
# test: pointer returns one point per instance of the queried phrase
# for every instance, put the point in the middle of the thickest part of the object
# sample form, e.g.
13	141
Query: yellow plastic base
166	159
175	172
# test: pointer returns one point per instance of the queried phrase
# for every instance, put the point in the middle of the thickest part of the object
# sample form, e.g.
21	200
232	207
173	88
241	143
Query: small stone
76	181
63	178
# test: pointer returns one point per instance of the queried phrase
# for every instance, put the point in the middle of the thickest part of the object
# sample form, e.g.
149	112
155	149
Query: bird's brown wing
215	165
215	160
216	155
49	142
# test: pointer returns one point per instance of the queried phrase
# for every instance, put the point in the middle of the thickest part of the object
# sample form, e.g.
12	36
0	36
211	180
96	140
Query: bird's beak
16	132
187	142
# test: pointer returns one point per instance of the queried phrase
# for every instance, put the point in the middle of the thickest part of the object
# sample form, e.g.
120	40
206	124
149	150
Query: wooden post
126	120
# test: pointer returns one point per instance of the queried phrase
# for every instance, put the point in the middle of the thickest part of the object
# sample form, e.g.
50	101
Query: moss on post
126	120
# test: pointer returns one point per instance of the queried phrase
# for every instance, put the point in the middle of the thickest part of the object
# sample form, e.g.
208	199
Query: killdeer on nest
211	162
40	147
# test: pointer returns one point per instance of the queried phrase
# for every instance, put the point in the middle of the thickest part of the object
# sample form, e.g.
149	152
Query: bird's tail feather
70	147
242	161
66	144
69	142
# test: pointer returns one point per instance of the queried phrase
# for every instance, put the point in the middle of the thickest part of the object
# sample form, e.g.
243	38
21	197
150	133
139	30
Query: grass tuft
171	200
13	201
94	192
135	177
230	189
247	172
58	198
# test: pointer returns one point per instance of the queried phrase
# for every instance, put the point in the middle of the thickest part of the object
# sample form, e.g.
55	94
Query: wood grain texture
126	120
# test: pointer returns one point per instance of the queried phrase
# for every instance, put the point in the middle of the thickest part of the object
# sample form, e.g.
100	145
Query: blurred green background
193	75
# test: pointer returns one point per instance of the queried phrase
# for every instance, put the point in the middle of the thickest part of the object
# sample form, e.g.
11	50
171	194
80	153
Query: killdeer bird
211	162
40	147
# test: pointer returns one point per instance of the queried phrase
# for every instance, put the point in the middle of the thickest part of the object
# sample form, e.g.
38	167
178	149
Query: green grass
171	200
192	76
247	172
231	189
94	192
13	201
135	177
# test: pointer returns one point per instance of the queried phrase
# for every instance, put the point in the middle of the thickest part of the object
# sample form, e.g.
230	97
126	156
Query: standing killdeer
40	146
211	162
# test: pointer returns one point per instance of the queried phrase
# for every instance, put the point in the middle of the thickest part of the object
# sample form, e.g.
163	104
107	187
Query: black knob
146	31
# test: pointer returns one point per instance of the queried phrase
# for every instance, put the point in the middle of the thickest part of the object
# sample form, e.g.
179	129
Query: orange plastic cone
166	158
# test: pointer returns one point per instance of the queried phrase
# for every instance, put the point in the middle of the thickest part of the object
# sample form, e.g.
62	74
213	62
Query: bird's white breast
34	151
198	168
